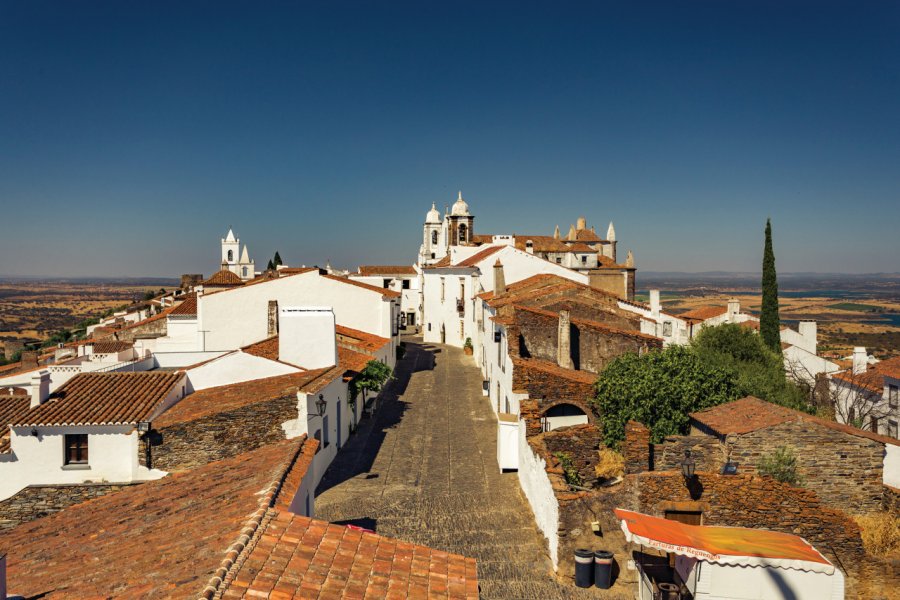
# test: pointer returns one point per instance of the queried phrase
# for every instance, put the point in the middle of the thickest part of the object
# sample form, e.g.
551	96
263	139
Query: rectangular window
667	329
405	284
893	395
325	435
873	424
76	449
559	260
442	289
583	259
386	283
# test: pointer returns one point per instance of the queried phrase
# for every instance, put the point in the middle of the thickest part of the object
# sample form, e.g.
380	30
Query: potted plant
467	347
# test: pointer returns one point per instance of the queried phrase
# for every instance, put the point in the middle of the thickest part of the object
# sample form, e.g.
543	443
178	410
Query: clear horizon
134	135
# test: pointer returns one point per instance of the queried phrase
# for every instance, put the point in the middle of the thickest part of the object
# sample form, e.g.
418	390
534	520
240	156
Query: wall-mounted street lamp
688	466
321	403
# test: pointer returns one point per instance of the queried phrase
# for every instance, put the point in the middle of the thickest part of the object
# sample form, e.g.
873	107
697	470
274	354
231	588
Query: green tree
769	320
372	378
759	371
659	389
277	260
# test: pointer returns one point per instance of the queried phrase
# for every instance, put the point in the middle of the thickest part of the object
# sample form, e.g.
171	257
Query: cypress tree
277	260
769	321
270	266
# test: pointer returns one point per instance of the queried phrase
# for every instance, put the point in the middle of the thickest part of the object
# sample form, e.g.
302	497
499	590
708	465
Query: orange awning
724	545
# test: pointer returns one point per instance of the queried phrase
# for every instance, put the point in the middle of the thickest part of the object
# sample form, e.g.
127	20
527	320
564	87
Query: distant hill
127	281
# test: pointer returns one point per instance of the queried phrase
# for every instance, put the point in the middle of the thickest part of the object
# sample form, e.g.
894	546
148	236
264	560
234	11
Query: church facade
581	249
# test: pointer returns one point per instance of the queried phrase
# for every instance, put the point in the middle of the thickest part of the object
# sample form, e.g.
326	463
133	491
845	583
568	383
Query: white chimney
40	388
808	330
654	303
306	337
860	360
734	307
529	247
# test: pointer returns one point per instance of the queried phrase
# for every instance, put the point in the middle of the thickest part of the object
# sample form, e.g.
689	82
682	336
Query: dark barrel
584	568
603	564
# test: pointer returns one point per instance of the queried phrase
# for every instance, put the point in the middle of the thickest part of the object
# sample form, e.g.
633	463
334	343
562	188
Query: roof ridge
253	528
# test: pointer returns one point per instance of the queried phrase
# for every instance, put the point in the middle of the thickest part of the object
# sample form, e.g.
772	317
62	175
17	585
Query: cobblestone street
424	470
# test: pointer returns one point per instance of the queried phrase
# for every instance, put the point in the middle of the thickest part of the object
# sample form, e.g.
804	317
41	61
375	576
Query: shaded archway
562	413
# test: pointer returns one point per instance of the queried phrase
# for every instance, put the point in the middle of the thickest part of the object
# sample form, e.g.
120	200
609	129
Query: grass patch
610	465
880	533
855	306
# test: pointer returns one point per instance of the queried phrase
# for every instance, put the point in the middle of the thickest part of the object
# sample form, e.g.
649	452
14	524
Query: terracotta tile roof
350	363
111	346
300	557
168	538
223	278
545	243
873	378
186	308
12	408
554	369
703	313
104	399
268	348
586	235
360	340
226	398
443	262
383	291
479	256
374	270
750	414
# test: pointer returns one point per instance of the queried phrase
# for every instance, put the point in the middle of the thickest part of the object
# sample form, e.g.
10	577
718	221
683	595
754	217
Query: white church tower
239	264
456	228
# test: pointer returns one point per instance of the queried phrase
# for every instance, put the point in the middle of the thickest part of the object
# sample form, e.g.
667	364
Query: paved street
424	469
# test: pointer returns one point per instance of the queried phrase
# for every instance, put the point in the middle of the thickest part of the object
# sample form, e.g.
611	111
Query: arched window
231	256
244	271
463	230
434	237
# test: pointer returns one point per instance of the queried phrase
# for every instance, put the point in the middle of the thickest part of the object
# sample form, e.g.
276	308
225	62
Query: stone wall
890	501
581	444
552	383
38	501
707	452
195	443
636	449
591	347
844	470
151	329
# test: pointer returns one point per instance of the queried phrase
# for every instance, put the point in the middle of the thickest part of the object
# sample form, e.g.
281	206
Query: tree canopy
661	388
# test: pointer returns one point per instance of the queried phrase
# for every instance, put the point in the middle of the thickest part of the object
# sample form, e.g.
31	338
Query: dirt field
34	310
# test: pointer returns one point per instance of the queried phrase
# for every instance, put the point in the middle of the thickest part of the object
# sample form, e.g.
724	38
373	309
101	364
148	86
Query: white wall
442	309
801	365
112	457
181	335
891	473
183	359
239	317
335	394
539	492
235	367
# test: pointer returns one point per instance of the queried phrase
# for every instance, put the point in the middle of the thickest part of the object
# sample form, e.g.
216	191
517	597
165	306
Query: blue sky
133	134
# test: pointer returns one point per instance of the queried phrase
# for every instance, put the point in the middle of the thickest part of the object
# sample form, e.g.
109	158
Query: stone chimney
272	319
306	337
860	360
564	341
809	330
29	358
580	224
40	388
734	307
499	279
654	303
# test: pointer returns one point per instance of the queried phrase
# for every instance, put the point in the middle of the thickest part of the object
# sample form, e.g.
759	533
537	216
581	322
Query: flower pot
468	351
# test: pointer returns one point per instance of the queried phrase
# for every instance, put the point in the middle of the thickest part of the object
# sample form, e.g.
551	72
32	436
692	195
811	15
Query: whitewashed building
86	431
406	280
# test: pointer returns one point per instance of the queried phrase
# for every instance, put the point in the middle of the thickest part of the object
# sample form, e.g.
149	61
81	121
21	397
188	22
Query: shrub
610	465
880	533
573	477
781	465
468	343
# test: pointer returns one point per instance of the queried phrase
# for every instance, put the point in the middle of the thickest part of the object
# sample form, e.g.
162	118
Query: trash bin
584	568
669	591
603	563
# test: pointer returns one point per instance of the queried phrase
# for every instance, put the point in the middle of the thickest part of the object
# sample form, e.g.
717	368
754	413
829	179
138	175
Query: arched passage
563	413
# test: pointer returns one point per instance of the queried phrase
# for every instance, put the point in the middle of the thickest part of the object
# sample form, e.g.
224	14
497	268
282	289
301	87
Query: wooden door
688	517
